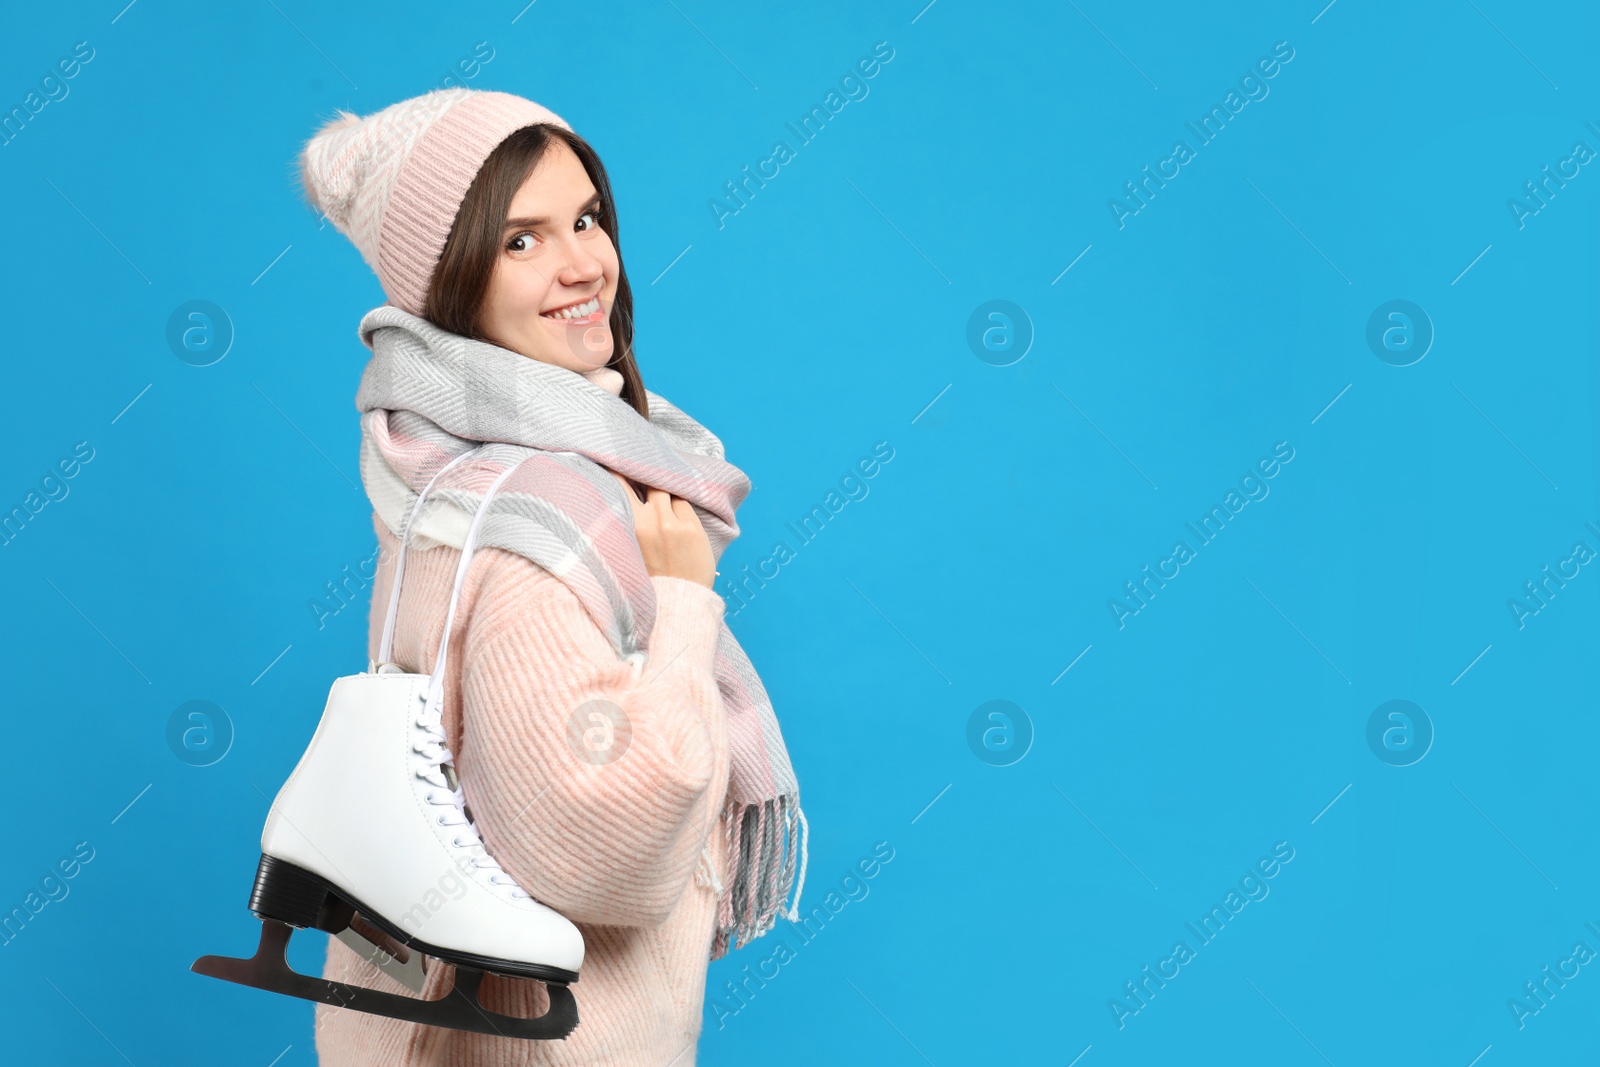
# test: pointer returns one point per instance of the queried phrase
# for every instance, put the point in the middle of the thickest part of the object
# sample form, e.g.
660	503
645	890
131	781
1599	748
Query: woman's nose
580	266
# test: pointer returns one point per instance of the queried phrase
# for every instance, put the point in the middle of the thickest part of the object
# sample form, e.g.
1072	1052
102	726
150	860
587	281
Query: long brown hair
460	280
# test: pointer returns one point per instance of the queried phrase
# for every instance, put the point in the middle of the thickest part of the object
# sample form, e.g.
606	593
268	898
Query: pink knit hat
393	181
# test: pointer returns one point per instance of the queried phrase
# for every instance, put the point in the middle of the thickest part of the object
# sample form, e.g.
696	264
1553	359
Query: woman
616	751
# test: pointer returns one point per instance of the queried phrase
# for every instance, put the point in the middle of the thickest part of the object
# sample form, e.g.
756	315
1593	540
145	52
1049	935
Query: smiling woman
504	282
502	393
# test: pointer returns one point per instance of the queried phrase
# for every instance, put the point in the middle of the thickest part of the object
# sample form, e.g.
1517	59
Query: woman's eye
512	244
592	216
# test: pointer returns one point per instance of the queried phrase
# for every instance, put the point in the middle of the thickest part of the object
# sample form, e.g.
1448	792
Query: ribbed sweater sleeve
610	837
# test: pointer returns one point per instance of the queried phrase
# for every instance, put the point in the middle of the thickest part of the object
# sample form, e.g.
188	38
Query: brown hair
460	280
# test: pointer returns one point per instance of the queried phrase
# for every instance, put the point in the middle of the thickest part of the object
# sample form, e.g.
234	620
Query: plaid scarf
428	395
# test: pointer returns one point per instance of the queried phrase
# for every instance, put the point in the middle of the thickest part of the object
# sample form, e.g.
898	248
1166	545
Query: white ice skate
370	833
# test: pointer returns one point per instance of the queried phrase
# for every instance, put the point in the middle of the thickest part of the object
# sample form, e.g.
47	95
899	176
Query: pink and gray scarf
428	395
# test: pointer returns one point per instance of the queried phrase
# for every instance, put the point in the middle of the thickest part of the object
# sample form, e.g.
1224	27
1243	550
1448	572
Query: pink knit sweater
613	847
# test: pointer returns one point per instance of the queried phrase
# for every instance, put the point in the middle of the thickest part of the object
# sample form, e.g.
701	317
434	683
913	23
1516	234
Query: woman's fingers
660	501
672	540
666	505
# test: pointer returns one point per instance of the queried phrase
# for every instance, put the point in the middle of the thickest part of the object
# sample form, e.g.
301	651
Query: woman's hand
671	539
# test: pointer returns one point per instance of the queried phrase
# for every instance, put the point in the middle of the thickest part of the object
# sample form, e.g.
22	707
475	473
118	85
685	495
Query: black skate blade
459	1009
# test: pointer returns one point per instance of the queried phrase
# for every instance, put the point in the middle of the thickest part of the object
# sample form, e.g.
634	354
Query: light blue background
1227	715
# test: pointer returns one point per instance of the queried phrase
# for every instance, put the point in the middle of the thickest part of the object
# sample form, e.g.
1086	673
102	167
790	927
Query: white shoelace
432	747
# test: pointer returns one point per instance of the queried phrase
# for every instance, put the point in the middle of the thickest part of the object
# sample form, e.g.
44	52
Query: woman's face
553	255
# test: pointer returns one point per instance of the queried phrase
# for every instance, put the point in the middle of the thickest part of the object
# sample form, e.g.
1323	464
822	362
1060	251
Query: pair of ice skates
365	831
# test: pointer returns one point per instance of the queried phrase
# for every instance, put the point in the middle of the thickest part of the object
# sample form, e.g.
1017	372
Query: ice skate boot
370	833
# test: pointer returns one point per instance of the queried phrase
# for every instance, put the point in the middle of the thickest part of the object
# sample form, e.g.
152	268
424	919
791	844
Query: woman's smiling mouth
583	313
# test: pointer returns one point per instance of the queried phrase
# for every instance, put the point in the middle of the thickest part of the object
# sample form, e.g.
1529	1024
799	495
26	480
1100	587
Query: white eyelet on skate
435	755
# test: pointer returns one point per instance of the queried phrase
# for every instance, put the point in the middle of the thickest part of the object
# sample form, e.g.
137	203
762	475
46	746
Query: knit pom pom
326	182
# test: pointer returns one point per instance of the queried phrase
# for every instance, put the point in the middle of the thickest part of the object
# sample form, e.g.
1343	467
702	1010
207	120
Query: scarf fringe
768	843
704	875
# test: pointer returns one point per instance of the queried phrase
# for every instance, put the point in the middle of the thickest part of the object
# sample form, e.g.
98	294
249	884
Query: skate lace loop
433	748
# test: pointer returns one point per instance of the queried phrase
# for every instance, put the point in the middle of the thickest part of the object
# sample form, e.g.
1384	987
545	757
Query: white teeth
578	311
